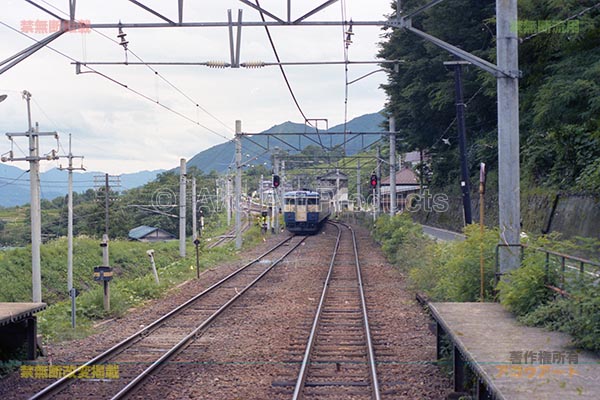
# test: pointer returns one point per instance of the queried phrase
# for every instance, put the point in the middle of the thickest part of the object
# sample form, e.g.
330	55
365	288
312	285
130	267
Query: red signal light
276	181
373	181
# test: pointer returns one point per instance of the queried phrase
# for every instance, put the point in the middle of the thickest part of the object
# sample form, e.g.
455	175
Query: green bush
524	289
459	272
401	239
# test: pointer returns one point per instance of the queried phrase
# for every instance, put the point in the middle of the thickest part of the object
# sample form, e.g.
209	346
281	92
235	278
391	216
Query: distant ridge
14	183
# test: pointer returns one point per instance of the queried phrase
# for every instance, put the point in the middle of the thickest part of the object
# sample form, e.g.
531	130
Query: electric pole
106	182
462	138
238	184
377	200
34	184
275	214
392	166
507	48
194	212
393	157
358	203
70	168
228	199
182	210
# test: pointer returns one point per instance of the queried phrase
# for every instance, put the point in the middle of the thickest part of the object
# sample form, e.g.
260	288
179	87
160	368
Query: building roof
414	157
405	176
142	231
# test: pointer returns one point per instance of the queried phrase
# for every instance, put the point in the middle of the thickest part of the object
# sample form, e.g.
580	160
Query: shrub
524	288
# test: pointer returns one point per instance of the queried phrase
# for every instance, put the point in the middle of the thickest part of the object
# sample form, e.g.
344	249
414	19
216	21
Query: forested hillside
559	56
154	204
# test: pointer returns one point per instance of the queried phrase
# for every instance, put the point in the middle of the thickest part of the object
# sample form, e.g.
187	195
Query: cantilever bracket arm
44	9
23	54
316	10
153	12
262	10
464	55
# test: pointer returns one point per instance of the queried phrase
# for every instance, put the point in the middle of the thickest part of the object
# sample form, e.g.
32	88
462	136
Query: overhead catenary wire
134	91
156	73
287	82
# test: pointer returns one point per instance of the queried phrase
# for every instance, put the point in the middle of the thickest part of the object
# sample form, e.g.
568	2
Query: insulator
217	64
253	64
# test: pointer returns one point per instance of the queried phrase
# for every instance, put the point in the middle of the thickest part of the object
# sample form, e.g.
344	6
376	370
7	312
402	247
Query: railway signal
276	181
373	181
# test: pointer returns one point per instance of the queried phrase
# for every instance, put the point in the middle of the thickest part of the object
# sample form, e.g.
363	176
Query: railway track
338	360
228	237
143	353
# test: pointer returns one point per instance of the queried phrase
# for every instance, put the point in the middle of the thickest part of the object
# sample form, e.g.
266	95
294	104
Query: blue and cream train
304	211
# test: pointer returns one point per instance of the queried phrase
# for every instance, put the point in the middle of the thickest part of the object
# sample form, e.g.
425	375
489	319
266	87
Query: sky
118	131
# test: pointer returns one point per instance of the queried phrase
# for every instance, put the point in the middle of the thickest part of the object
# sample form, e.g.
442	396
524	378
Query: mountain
291	138
14	183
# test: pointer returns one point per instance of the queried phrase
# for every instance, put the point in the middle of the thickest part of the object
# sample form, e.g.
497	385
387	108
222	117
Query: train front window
290	201
312	201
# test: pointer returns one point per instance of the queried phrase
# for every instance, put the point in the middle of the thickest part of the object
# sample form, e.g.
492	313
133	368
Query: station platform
18	327
512	361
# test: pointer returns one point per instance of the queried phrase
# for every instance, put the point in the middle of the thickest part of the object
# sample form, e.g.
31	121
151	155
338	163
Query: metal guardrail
567	262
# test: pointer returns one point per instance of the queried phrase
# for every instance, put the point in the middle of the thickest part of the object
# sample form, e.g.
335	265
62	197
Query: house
335	184
407	183
149	234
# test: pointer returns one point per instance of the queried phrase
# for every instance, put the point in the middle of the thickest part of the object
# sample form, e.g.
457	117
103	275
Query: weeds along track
338	360
143	353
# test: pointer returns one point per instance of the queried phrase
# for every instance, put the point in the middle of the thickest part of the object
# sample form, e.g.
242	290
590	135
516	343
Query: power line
287	82
13	180
158	74
579	14
121	84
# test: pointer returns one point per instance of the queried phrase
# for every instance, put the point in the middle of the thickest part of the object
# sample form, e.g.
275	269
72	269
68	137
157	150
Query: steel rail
371	353
192	335
61	383
313	331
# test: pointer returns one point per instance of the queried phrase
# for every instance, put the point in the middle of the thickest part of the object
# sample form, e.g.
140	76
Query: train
305	211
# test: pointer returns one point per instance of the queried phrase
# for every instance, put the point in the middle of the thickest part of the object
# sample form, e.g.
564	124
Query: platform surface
549	368
12	312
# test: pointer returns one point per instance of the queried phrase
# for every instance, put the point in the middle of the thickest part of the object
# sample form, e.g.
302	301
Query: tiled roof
405	176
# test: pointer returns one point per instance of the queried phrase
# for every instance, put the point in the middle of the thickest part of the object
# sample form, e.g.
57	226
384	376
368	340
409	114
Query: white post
151	255
182	209
70	223
194	211
228	200
276	197
238	184
36	216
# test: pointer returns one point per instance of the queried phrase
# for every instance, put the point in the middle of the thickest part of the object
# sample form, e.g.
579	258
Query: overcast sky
118	131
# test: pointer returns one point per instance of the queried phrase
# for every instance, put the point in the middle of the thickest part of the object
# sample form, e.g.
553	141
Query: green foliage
459	273
559	90
524	289
151	204
578	315
444	271
399	238
422	93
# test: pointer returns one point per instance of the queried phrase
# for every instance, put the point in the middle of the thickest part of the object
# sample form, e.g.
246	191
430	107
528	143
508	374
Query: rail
300	383
66	380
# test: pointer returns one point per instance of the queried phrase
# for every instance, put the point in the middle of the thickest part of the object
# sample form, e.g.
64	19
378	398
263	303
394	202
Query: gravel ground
253	349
